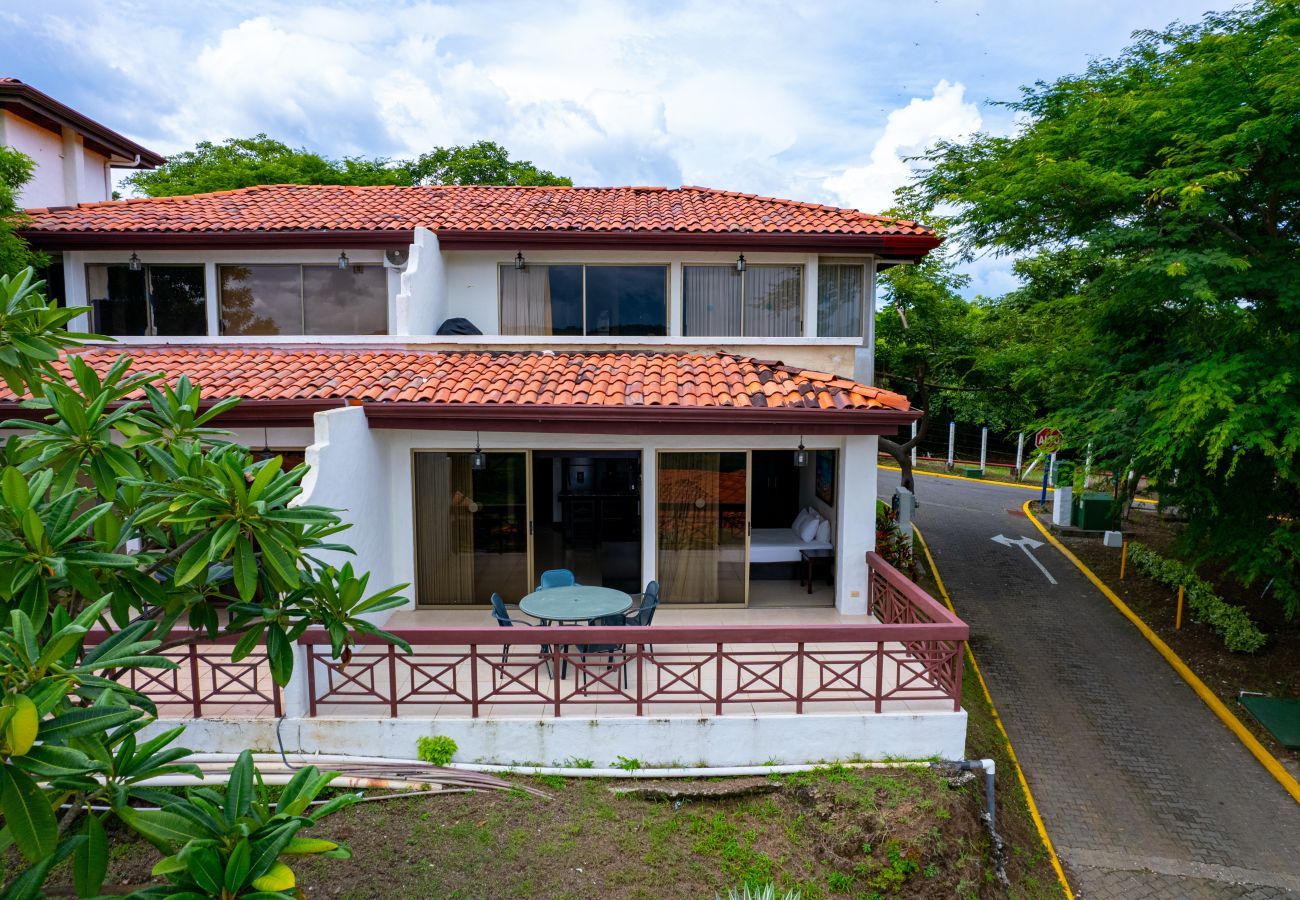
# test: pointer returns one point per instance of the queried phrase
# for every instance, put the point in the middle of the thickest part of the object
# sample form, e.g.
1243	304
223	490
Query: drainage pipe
989	767
328	760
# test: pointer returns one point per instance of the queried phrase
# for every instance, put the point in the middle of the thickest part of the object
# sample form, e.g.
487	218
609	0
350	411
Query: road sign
1049	440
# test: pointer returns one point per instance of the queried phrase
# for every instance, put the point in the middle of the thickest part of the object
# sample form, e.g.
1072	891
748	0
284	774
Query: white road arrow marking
1029	545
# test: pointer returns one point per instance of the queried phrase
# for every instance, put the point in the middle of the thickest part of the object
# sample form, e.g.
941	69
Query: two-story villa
632	383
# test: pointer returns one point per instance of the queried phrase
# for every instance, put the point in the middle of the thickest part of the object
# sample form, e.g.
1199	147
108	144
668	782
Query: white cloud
945	115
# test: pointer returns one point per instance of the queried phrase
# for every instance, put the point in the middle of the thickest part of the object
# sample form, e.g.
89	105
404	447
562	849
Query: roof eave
901	245
29	103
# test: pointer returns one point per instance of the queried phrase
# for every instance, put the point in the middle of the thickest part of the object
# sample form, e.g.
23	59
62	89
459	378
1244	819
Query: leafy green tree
244	162
122	508
483	162
15	171
1155	198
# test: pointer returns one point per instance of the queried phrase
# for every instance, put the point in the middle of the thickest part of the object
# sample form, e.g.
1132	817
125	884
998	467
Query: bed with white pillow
782	545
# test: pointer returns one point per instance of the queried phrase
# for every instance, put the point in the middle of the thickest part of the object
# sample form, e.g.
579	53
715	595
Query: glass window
841	297
261	299
345	301
155	300
294	299
627	300
762	301
702	514
574	300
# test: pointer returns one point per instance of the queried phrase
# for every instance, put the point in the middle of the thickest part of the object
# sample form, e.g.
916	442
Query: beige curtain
710	301
444	530
773	301
841	294
690	489
526	300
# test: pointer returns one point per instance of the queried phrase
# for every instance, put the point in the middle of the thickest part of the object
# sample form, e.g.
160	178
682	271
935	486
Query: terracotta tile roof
296	208
538	379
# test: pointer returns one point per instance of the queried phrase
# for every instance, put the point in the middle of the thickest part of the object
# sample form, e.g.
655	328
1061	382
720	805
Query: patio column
857	504
649	511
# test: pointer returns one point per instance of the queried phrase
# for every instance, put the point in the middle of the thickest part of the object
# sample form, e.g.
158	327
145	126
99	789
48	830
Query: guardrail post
1020	452
952	443
984	448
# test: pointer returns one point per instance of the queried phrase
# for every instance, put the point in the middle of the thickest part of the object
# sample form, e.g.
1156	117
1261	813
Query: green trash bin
1093	512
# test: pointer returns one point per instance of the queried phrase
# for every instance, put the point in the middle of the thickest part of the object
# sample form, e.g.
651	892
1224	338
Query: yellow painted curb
1268	760
997	720
995	483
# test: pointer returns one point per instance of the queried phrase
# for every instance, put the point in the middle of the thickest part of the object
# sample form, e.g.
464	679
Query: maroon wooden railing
913	653
205	681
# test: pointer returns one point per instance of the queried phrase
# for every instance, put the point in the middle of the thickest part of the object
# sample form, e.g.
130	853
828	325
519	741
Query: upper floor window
155	300
294	299
841	297
575	300
762	301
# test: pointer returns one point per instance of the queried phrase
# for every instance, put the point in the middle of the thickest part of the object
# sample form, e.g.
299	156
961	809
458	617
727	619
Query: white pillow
809	529
799	520
824	531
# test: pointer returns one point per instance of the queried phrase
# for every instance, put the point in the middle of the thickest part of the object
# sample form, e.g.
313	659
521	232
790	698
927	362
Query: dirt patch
1274	671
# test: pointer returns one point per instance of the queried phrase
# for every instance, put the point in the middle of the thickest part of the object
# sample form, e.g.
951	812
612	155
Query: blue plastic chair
644	614
553	578
502	616
605	650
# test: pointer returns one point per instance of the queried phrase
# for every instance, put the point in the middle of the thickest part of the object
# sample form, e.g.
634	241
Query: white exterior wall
370	475
348	472
421	303
46	149
98	179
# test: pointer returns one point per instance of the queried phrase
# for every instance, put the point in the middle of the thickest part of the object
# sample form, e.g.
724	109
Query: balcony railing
913	654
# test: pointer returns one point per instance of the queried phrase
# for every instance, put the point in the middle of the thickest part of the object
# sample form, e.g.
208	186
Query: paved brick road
1144	792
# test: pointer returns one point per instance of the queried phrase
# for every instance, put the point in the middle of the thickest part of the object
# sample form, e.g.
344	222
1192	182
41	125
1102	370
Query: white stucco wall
421	302
98	180
348	472
733	740
46	150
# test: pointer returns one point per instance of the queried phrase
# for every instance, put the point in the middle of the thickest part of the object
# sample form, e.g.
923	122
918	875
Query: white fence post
1087	466
914	446
1051	469
1020	452
952	442
984	448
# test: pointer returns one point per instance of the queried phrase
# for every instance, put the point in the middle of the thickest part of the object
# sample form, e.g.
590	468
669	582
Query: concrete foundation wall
655	742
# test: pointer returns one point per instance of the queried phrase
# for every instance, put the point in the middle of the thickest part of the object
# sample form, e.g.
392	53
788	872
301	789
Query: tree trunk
902	452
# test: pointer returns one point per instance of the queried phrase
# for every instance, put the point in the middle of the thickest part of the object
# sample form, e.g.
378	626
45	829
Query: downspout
998	851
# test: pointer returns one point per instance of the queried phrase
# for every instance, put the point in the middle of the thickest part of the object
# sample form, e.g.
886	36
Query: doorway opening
791	549
587	516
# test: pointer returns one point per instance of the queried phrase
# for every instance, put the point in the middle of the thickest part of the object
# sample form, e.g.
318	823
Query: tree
123	509
15	171
483	162
244	162
1154	198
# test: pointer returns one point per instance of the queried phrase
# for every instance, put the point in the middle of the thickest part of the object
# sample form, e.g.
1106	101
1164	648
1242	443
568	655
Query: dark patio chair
645	611
610	650
501	613
553	578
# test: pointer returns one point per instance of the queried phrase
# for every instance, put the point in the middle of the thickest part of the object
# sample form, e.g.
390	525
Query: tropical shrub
437	750
1229	621
123	510
891	543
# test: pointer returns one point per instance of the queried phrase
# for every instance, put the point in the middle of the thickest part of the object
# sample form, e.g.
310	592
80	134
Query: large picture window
294	299
575	300
762	301
841	298
154	300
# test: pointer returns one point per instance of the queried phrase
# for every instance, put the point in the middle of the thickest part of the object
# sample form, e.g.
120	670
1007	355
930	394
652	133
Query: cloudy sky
813	101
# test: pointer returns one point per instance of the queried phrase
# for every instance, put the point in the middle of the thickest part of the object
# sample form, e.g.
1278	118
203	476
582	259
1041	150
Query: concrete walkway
1144	791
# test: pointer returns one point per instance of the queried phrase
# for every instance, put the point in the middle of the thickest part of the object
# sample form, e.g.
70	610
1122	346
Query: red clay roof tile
505	377
472	208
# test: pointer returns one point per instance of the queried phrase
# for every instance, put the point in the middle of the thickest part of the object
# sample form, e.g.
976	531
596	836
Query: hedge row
1230	622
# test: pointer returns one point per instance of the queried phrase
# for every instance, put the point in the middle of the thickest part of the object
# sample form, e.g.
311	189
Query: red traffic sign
1049	440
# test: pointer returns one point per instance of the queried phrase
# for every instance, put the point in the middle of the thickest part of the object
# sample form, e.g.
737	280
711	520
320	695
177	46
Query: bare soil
1274	671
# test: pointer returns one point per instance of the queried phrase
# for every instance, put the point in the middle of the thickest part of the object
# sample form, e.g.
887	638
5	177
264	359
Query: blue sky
812	101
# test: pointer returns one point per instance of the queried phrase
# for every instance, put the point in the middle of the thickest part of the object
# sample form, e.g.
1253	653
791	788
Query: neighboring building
75	156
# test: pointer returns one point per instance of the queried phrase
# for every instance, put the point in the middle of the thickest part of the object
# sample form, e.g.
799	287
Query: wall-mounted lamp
134	263
801	455
478	461
740	263
519	261
343	261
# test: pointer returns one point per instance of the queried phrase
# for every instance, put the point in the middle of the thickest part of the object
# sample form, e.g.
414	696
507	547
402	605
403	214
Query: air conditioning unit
397	257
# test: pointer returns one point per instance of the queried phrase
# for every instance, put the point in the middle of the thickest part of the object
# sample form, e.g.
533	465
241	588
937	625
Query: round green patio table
575	603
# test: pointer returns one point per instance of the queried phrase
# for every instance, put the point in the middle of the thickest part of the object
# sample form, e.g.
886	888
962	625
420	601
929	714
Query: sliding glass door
471	528
703	518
